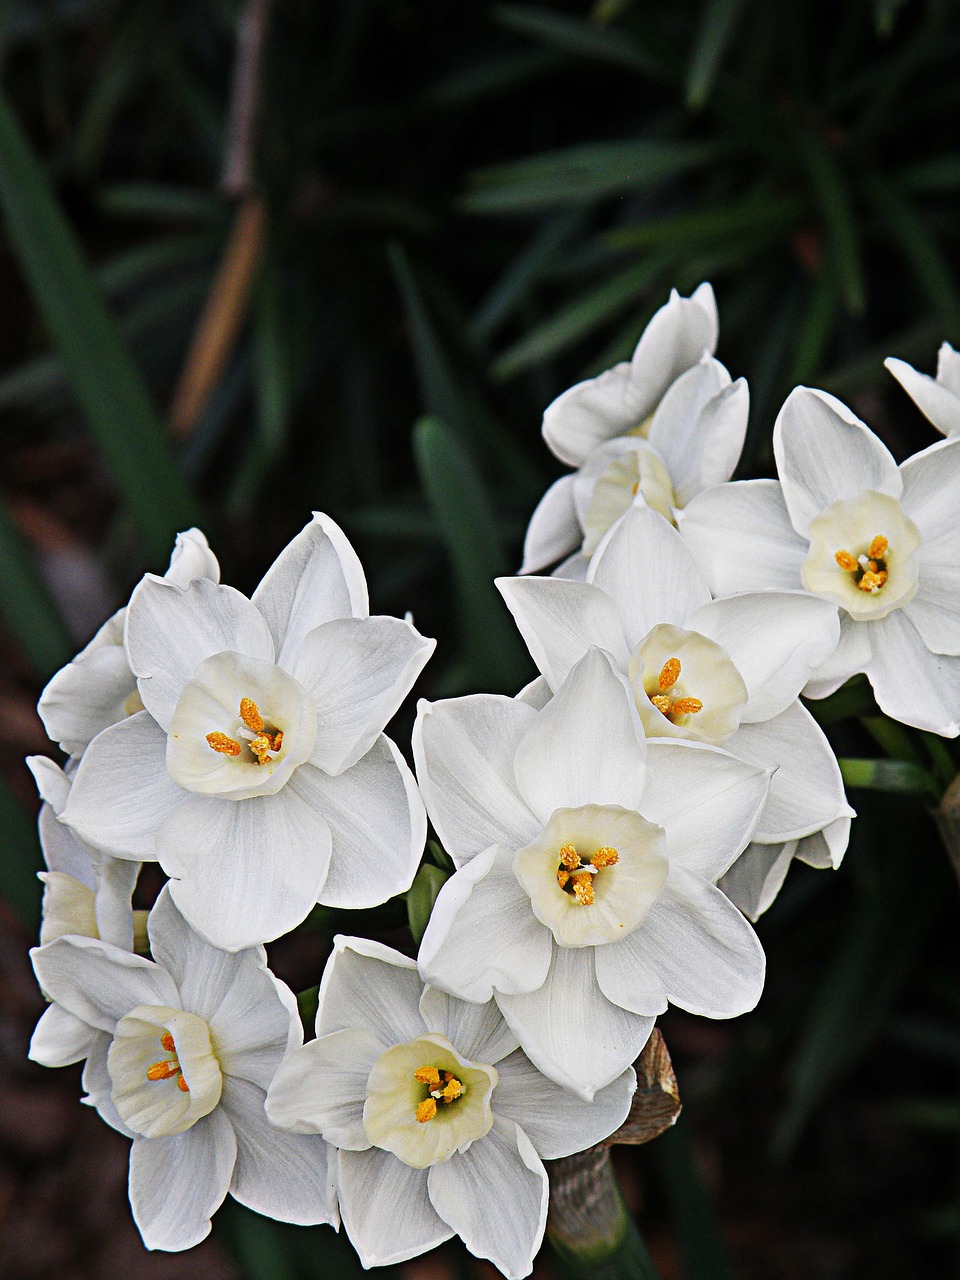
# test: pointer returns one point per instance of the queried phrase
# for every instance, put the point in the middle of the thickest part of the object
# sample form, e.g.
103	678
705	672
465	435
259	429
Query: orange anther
686	707
224	745
605	857
426	1110
182	1085
569	857
669	674
583	889
452	1089
427	1075
166	1041
661	702
872	581
250	715
878	547
162	1070
846	561
562	876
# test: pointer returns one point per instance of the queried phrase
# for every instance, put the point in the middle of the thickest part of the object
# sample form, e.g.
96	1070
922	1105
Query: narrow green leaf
523	273
829	188
104	379
307	1004
20	860
715	222
460	502
719	23
900	776
28	608
582	39
421	896
816	329
161	201
695	1223
855	698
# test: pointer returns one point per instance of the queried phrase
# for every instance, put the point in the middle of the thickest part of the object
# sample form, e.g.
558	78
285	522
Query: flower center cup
240	729
686	686
593	873
164	1071
863	555
424	1102
638	470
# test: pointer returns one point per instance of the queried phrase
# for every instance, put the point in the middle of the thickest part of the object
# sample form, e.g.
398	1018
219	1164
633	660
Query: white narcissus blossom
179	1055
667	424
847	524
98	689
441	1123
938	399
585	894
258	775
726	672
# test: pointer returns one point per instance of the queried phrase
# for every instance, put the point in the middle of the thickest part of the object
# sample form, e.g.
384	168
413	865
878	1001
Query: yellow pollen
250	715
224	745
583	889
569	857
878	547
669	674
426	1110
452	1089
562	876
636	488
427	1075
261	746
182	1085
661	702
686	707
846	561
605	857
163	1070
167	1041
872	581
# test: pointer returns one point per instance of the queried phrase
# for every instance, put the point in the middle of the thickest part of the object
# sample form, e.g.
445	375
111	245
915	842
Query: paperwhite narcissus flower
584	898
849	525
726	672
667	424
441	1122
938	399
97	688
258	775
182	1052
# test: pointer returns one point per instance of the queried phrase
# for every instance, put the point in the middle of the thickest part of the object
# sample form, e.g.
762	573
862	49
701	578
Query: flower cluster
620	821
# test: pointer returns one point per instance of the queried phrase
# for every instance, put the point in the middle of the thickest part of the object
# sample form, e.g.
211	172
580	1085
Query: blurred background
263	258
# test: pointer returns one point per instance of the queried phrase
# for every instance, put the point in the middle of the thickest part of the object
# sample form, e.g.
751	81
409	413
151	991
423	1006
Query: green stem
892	738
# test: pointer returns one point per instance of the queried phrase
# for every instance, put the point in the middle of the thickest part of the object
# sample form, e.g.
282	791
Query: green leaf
900	776
20	860
104	379
757	212
523	273
463	510
581	39
421	896
829	188
855	698
716	31
28	608
307	1004
698	1233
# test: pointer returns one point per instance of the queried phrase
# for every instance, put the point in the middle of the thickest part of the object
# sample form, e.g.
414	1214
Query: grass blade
716	32
581	39
28	608
829	189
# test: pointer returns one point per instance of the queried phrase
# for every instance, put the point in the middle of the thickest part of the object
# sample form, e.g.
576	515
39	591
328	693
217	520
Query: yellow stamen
427	1075
452	1089
669	674
182	1085
846	561
426	1110
583	888
569	857
562	876
605	857
250	715
224	745
261	746
167	1041
163	1070
686	707
878	547
872	581
661	702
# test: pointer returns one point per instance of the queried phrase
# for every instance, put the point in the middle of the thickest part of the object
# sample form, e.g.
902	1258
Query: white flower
258	775
847	524
584	896
179	1056
726	672
98	688
667	424
441	1122
938	399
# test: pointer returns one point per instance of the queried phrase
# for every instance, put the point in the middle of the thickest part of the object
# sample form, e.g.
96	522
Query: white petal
556	1121
554	530
948	368
358	671
170	630
825	849
60	1038
464	750
851	655
708	956
192	558
706	800
321	1087
122	790
593	411
699	427
910	683
570	1030
628	979
377	825
252	1015
806	792
775	638
89	693
674	340
503	1165
931	482
285	1176
316	578
178	1183
245	871
116	881
385	1207
757	876
476	1031
586	746
648	572
98	1085
99	983
937	402
574	568
825	453
560	620
742	539
368	985
455	953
